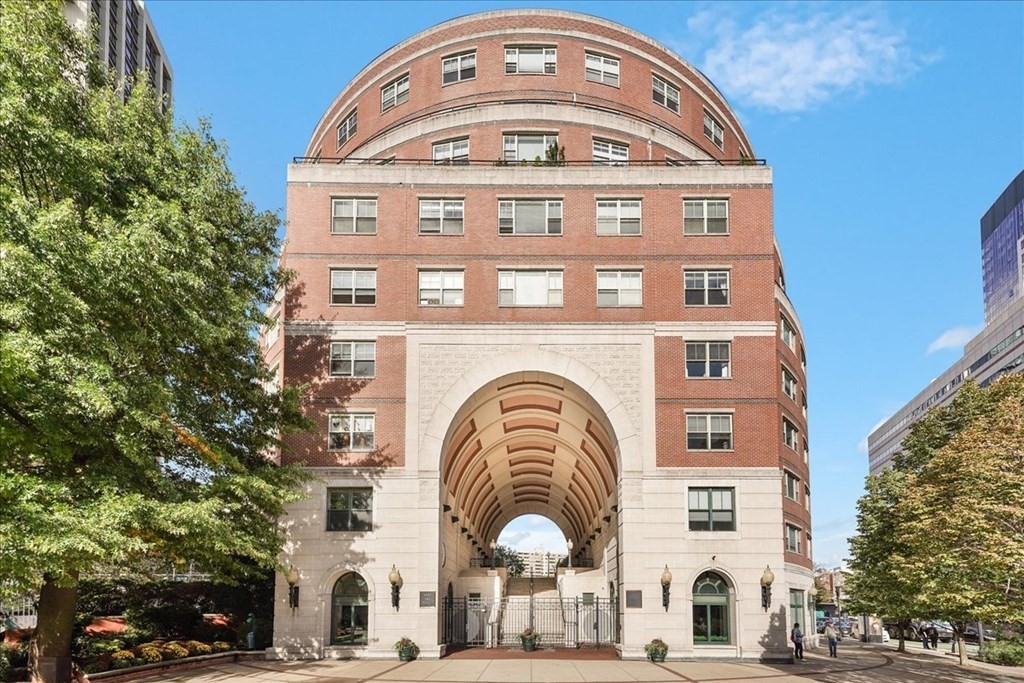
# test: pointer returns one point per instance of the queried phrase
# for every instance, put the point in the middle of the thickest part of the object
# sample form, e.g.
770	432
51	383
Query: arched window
349	611
710	609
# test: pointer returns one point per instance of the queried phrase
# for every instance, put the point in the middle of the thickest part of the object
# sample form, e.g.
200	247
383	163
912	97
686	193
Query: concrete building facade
998	349
536	273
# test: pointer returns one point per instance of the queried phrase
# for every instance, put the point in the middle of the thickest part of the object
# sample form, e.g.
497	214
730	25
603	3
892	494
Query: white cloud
862	446
796	57
954	338
533	532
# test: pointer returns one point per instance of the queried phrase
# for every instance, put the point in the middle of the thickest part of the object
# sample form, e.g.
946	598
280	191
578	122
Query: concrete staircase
543	587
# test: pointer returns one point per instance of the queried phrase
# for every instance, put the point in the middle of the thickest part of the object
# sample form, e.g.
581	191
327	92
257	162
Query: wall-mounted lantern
666	582
766	588
292	577
395	579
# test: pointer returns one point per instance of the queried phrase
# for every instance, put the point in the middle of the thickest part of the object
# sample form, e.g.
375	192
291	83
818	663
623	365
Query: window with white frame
394	93
788	383
530	217
458	68
803	402
608	153
807	498
347	128
807	451
273	332
349	432
354	216
530	60
712	509
349	509
786	331
451	152
354	287
708	432
665	94
619	288
353	359
789	433
602	68
803	359
618	216
274	382
527	146
792	485
792	538
706	287
705	216
713	130
708	359
441	287
529	287
441	216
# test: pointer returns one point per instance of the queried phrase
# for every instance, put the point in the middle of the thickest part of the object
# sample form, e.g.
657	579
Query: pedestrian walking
933	635
833	639
924	637
797	636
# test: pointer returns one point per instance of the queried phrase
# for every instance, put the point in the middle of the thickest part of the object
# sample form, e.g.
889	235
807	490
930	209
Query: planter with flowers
656	650
406	649
529	638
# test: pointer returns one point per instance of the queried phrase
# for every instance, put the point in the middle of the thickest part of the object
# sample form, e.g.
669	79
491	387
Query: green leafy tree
134	422
880	581
505	556
965	516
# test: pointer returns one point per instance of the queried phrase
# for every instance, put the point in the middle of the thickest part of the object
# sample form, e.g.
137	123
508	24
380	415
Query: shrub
95	667
16	655
1004	652
166	619
174	650
150	654
221	646
196	648
122	659
5	668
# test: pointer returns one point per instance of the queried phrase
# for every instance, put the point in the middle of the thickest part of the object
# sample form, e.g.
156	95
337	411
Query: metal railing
542	163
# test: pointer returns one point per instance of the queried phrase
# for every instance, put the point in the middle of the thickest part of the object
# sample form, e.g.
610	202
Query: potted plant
529	639
406	649
656	650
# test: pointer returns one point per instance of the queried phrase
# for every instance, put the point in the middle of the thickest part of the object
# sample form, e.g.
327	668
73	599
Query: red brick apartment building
540	245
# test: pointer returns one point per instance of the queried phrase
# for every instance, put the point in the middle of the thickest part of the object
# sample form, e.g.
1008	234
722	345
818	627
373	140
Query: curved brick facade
489	328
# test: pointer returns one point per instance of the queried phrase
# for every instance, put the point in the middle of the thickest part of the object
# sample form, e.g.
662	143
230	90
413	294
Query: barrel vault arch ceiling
530	443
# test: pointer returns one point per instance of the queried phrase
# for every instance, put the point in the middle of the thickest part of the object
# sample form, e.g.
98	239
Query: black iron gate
560	622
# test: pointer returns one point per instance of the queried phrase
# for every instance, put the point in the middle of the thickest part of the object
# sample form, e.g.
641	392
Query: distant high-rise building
999	348
1002	249
126	40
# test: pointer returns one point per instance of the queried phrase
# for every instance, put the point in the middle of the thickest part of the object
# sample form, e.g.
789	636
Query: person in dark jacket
797	636
933	635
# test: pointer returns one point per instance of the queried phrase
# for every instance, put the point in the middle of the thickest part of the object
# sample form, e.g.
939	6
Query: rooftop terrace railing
542	163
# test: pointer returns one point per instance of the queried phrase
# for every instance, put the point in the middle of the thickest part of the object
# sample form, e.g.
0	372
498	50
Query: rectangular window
350	432
619	288
792	538
713	130
796	610
789	433
354	216
705	216
353	359
706	287
274	383
394	93
347	129
708	359
354	287
787	332
458	68
530	217
807	503
441	216
441	288
709	432
618	216
788	383
665	94
451	152
350	509
712	509
527	146
602	69
607	153
792	486
807	452
530	60
529	287
273	332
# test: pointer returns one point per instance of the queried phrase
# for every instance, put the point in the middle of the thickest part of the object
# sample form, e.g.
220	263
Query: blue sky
891	128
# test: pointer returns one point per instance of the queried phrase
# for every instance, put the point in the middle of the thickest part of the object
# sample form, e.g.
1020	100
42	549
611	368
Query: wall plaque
428	598
634	599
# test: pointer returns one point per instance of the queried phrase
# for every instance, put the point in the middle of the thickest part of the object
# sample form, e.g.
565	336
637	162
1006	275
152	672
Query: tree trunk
961	650
50	654
902	647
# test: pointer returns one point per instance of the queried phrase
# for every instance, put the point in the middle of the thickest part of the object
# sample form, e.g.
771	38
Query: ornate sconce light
395	578
766	588
292	577
666	582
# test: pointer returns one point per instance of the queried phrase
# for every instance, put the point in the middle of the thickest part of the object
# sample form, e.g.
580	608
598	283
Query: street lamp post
568	544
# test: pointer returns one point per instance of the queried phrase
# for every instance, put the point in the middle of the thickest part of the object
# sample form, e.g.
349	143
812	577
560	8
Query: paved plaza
857	663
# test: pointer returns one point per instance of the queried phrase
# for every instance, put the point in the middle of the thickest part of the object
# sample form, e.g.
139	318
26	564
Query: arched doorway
531	443
349	610
711	622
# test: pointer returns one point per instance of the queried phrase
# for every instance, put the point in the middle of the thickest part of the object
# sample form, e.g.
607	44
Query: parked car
971	634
